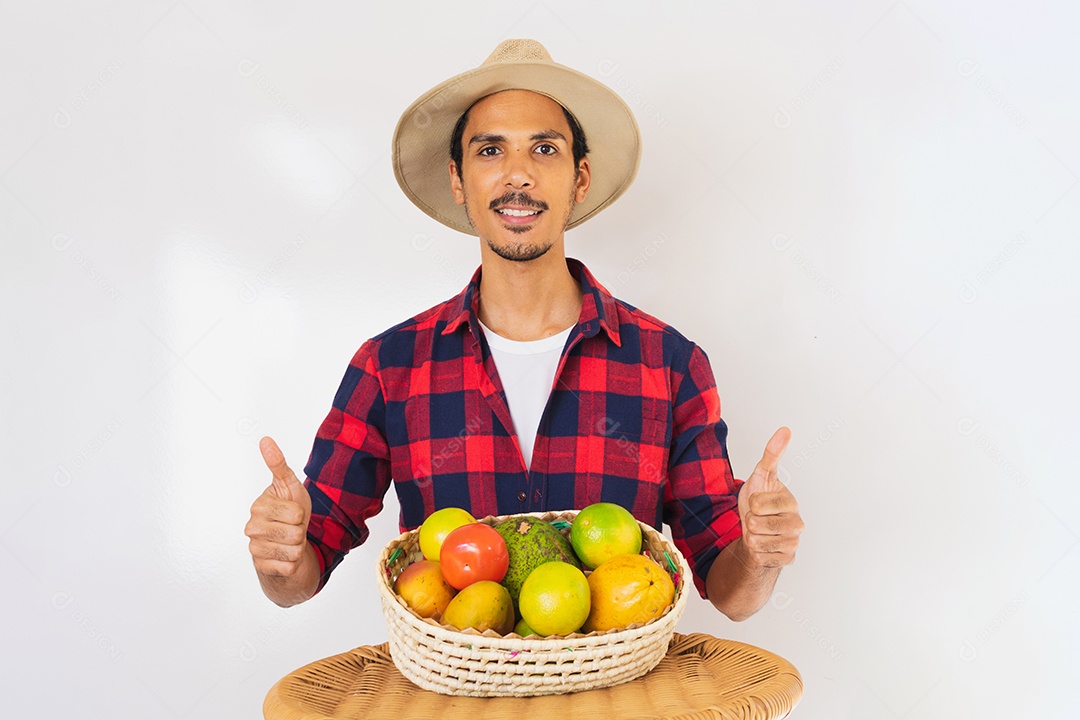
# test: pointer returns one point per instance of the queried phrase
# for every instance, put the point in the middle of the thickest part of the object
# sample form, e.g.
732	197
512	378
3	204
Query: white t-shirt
527	371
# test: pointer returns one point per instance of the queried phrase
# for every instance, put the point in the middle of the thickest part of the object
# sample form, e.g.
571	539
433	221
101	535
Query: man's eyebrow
486	137
549	135
491	137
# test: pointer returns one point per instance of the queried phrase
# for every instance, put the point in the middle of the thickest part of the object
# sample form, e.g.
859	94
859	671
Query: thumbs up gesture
279	519
770	515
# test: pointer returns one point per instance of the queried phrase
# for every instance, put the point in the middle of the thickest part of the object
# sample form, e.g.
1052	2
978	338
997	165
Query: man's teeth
517	213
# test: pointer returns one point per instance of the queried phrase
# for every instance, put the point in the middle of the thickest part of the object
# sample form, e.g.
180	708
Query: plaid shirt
633	418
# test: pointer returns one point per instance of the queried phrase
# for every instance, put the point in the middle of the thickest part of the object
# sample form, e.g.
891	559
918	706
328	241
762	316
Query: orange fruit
554	599
424	590
484	605
437	526
625	590
602	531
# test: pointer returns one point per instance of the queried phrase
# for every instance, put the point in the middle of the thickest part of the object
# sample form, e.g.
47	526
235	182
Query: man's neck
528	300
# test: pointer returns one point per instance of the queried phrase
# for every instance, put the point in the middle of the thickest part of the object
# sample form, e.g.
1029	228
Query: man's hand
770	516
744	574
283	557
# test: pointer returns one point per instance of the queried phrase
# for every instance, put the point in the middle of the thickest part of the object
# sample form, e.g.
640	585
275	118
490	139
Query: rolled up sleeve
701	496
348	471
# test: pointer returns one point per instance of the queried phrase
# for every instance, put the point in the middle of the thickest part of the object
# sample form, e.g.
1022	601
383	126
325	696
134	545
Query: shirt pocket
641	457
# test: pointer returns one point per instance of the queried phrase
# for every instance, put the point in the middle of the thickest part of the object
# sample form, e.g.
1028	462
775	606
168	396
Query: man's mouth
518	209
517	213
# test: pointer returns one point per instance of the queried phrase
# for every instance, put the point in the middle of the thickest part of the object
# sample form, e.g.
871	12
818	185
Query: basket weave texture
448	661
700	678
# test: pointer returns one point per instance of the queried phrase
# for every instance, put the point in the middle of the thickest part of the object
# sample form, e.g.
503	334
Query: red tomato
473	552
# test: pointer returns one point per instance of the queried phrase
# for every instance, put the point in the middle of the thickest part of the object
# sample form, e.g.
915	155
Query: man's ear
455	184
584	178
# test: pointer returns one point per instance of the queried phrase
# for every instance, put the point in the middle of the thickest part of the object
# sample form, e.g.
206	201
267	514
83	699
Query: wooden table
700	677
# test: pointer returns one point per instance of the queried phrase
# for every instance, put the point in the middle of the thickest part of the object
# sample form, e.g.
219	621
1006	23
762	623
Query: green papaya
531	542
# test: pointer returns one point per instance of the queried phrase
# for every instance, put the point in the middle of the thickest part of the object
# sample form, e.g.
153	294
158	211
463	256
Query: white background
865	213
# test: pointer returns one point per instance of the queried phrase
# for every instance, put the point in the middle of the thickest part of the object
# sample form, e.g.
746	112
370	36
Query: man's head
519	167
516	67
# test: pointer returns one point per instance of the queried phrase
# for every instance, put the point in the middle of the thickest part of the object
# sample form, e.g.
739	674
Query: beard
523	252
520	253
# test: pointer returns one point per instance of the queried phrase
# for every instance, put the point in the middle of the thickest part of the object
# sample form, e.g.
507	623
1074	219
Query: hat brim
421	144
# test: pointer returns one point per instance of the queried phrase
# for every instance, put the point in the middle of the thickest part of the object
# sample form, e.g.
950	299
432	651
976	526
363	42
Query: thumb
284	479
765	478
774	449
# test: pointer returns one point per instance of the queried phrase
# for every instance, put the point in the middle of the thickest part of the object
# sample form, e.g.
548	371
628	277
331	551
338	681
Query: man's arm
736	587
744	573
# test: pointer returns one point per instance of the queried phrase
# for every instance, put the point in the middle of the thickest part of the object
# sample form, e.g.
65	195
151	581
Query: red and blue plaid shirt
633	418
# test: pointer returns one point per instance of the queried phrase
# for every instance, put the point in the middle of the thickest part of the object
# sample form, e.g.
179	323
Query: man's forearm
737	586
296	588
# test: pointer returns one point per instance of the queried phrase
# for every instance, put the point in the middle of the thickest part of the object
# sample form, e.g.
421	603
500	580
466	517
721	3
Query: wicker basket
448	661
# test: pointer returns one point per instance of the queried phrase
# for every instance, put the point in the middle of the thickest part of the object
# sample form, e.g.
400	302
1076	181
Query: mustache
518	198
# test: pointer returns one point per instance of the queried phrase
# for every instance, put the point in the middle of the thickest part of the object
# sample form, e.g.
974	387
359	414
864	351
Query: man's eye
484	151
547	149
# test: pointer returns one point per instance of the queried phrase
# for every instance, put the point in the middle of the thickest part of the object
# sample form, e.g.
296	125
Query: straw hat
421	146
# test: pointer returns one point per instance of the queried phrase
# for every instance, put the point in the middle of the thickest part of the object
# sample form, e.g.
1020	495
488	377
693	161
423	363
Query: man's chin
520	253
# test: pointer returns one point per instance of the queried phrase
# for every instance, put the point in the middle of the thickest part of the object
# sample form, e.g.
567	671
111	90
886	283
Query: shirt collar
598	309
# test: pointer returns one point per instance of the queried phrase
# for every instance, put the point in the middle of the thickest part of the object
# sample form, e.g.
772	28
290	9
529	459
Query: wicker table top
701	677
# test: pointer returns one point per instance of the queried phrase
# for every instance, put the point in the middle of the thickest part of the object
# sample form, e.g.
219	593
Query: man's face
518	184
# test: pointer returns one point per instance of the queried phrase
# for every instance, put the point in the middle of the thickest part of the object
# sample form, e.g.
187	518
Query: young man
533	389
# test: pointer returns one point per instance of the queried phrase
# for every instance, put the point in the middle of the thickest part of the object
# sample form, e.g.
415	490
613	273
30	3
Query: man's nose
519	173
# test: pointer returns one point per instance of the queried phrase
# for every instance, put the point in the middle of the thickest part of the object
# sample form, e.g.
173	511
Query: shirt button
522	496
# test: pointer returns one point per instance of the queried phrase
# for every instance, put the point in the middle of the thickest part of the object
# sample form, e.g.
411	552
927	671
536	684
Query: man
533	389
